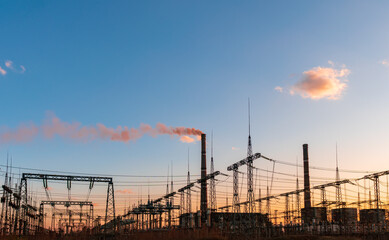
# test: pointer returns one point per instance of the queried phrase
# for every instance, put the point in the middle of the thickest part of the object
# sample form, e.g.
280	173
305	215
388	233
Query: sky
316	72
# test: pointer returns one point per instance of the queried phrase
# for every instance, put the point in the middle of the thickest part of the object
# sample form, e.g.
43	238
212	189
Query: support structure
235	196
66	204
27	216
250	189
110	207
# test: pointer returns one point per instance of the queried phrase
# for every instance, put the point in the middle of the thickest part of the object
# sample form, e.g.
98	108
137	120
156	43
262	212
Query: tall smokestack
204	194
307	190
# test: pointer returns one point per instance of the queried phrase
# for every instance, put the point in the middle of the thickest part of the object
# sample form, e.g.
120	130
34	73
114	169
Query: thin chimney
307	190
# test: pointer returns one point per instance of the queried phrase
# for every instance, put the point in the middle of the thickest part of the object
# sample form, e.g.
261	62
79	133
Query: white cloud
385	62
279	89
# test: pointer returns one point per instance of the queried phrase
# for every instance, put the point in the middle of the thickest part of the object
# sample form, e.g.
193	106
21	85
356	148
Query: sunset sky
316	72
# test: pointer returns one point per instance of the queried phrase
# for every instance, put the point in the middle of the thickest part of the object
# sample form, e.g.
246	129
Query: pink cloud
319	82
8	64
2	71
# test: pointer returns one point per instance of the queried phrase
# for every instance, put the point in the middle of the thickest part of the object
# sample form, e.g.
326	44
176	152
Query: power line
94	174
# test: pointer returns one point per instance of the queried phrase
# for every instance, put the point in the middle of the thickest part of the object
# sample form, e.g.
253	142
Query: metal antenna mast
250	191
338	189
212	181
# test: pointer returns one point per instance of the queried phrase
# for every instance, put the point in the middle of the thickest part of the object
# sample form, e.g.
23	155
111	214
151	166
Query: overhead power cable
93	174
323	168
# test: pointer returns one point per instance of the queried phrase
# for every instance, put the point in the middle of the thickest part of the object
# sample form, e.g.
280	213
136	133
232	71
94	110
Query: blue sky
194	64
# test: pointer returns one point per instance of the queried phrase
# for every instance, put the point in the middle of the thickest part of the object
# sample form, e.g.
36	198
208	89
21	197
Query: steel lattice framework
110	203
66	204
212	188
250	189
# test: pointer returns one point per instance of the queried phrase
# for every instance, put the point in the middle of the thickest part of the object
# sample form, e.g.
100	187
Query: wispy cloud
321	83
279	89
385	62
10	64
234	149
2	71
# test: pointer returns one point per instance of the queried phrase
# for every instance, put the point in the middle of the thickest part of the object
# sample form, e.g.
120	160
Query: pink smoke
53	126
187	139
24	133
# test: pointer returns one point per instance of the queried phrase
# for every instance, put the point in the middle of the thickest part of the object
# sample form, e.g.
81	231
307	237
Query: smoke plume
55	127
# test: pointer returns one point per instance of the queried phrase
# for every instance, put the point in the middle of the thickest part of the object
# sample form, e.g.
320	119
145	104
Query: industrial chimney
307	190
203	200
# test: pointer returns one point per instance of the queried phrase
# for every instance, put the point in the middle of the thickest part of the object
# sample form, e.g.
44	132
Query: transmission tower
182	201
212	182
338	188
110	205
250	191
235	197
